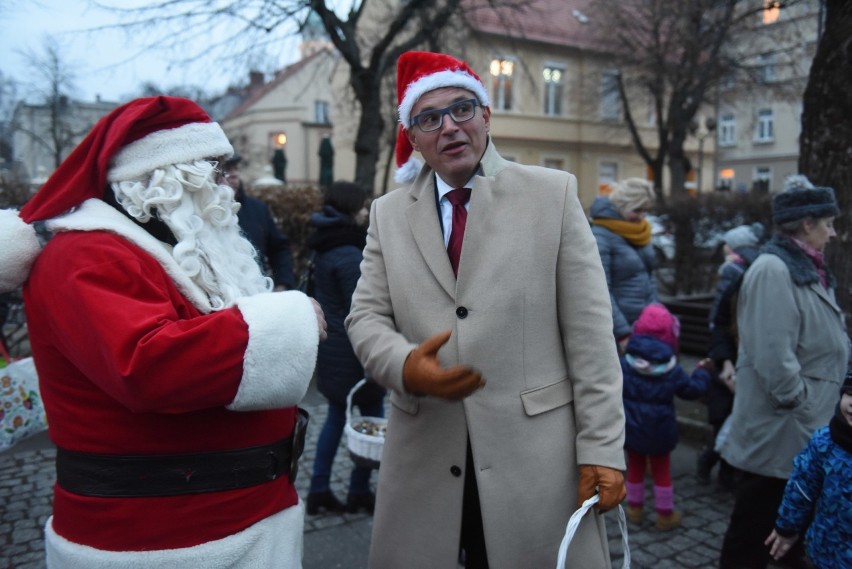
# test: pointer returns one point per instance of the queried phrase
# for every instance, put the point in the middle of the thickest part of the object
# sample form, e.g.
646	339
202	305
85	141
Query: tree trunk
370	128
826	140
366	84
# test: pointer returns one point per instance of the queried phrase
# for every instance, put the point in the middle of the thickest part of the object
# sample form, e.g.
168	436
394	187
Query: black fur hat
847	384
801	199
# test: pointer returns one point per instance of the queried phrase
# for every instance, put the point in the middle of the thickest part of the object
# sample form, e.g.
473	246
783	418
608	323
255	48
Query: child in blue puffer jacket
652	379
821	486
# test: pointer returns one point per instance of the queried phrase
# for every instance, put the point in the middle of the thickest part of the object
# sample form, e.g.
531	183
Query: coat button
455	471
461	312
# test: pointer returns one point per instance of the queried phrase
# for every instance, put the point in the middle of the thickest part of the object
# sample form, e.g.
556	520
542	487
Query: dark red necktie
458	198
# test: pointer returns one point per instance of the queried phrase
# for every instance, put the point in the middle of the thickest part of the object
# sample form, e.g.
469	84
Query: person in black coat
259	227
338	240
741	249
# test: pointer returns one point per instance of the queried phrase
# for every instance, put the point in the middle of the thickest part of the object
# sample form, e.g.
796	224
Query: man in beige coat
505	384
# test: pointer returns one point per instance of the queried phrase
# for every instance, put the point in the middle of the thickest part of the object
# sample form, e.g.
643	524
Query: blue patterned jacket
821	482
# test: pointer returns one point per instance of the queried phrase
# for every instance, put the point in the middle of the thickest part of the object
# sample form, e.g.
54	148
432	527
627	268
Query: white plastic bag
574	522
21	410
723	434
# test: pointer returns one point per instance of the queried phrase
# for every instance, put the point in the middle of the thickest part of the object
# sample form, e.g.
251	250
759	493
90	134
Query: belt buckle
299	432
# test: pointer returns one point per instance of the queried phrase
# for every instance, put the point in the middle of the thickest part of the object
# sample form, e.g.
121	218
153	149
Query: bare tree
670	57
53	85
826	140
369	35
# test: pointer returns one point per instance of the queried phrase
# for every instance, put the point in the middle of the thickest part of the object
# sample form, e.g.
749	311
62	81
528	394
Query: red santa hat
130	142
417	73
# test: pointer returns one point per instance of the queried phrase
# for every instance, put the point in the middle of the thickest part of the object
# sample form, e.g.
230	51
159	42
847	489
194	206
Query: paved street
342	541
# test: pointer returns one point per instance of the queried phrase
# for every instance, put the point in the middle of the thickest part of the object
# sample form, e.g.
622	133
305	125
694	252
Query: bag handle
349	400
574	523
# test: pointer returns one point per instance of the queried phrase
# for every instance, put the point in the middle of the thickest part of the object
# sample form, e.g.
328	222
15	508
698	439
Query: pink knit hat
656	321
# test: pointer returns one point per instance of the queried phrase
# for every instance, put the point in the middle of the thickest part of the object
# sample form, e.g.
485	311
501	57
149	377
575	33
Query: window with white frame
727	130
607	172
610	107
502	82
762	178
765	130
554	86
321	112
766	71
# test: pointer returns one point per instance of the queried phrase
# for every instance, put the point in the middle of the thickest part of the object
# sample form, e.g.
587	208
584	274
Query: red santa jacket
131	360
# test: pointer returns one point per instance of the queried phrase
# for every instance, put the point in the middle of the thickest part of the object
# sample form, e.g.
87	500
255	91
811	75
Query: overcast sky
102	61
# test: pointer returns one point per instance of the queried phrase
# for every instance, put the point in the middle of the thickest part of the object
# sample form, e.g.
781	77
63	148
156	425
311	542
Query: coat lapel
823	293
425	227
423	220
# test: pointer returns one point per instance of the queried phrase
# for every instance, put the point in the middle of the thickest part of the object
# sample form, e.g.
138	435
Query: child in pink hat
652	379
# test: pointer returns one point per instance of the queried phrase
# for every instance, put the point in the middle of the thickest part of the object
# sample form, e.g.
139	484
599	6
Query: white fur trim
95	215
272	542
18	252
193	141
281	353
406	173
427	83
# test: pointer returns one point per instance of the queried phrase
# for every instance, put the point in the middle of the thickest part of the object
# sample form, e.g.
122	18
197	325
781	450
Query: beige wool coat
531	311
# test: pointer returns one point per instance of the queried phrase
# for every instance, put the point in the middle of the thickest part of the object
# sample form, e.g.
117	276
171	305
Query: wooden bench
693	313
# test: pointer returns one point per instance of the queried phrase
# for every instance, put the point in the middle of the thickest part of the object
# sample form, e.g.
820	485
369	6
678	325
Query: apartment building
43	132
759	118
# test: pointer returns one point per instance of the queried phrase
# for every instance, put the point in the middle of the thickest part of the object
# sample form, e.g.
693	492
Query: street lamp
279	159
701	134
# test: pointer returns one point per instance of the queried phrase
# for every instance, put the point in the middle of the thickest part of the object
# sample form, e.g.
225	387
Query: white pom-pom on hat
795	182
19	251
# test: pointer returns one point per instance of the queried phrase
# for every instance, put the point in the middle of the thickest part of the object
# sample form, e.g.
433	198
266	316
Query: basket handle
349	399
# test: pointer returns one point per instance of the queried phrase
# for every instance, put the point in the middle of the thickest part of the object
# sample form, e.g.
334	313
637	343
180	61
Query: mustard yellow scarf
637	233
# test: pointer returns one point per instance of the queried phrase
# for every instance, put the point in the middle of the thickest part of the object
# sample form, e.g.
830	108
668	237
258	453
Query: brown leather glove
608	482
422	373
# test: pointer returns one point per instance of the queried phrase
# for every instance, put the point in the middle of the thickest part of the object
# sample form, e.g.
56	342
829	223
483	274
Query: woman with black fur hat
793	352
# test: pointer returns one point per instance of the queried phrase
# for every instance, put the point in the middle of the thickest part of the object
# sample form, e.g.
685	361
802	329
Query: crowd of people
524	355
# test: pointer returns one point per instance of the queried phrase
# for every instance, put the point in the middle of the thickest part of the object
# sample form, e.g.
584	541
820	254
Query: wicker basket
365	449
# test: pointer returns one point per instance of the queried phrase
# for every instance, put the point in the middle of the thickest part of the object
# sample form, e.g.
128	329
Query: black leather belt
140	476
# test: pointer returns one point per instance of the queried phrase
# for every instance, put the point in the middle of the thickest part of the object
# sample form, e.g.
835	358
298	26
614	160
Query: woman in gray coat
793	354
623	236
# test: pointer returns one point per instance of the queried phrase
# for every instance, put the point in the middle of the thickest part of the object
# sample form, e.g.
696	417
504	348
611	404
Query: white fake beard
202	215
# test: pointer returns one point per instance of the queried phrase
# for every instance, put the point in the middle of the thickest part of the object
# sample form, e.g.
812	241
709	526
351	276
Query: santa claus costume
169	373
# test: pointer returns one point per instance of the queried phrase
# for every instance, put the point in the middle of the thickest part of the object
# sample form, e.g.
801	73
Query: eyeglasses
462	111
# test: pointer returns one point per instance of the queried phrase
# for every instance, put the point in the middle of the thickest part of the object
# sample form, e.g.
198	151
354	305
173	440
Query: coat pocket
542	399
404	403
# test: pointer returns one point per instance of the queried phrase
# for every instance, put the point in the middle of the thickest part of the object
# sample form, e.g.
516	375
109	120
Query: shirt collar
444	187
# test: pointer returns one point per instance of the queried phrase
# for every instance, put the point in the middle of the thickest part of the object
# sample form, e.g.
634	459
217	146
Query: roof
279	78
556	22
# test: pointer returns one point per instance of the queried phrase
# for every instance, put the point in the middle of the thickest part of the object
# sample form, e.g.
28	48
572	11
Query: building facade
45	134
759	123
286	119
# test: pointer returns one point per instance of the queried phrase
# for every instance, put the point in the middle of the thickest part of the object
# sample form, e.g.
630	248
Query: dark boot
357	502
323	501
706	460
